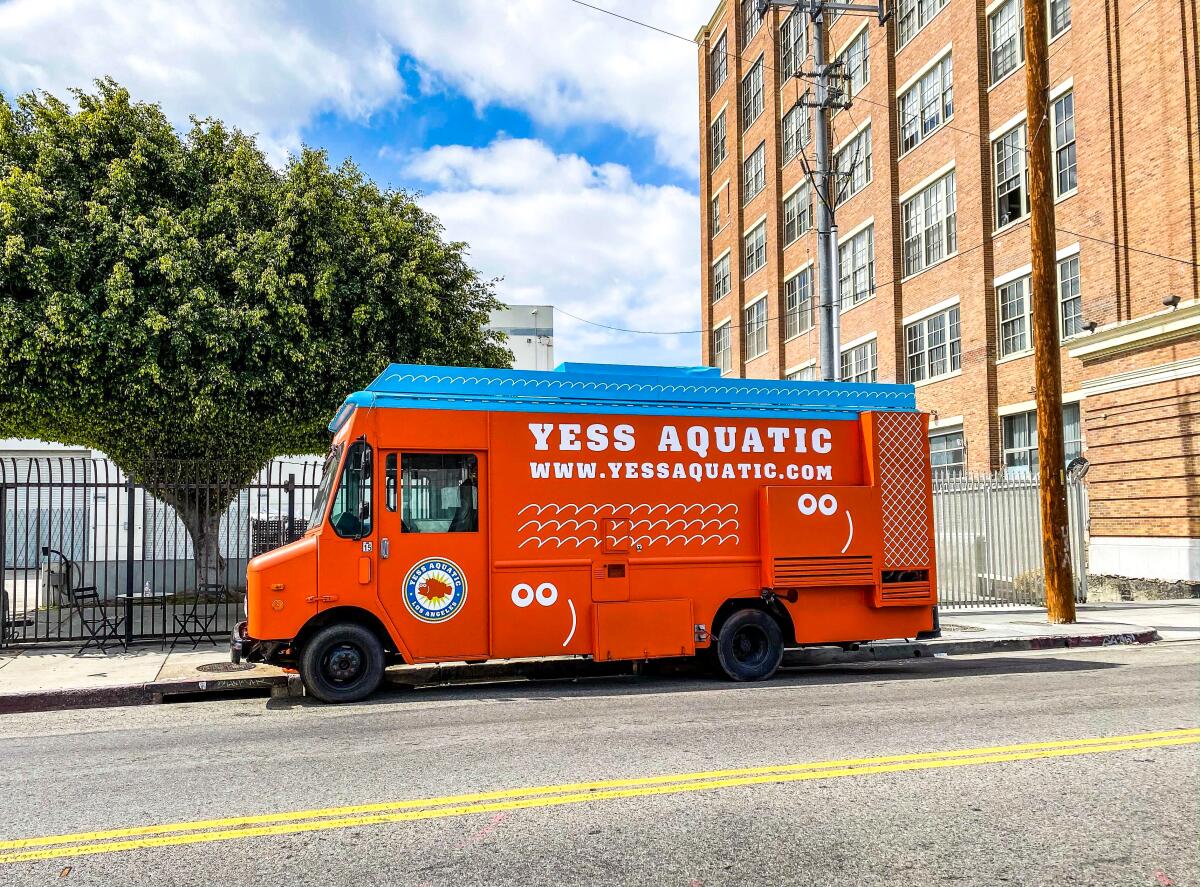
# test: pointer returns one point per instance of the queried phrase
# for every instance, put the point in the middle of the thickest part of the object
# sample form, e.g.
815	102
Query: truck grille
801	572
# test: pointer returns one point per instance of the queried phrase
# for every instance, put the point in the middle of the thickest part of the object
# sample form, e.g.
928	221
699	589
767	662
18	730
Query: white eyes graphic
523	594
810	504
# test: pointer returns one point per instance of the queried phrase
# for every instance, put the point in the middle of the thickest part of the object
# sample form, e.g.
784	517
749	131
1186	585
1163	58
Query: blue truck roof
626	390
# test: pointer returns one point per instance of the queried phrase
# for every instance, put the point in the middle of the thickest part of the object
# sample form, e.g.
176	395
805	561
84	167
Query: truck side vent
800	572
908	593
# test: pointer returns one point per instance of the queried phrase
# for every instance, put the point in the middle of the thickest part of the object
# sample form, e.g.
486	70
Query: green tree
178	301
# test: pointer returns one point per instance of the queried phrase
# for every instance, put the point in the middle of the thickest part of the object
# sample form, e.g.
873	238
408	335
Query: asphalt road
936	811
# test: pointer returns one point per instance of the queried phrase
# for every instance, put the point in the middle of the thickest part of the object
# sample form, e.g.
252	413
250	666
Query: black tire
749	646
342	663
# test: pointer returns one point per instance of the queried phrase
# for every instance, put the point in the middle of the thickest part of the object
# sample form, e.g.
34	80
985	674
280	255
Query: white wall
530	330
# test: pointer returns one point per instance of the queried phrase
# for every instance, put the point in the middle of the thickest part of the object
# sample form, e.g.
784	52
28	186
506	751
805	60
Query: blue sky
558	142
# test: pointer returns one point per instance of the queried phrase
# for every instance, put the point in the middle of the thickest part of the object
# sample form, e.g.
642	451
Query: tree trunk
200	508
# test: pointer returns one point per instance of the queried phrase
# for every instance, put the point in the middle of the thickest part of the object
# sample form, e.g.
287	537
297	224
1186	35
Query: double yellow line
234	827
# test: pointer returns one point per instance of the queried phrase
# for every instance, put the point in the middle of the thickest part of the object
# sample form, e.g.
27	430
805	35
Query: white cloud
585	238
272	66
267	67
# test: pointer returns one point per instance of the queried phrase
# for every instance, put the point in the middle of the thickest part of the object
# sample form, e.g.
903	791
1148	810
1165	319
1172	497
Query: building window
856	256
913	15
926	105
797	213
929	225
934	346
804	374
859	364
1006	28
1069	300
721	278
718	65
1060	17
1019	433
716	214
752	94
947	453
793	44
717	140
755	329
797	300
1013	298
1064	143
796	133
754	173
1012	186
751	20
755	248
855	61
722	354
852	166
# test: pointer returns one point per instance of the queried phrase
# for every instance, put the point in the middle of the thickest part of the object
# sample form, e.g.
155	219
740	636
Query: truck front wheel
749	646
342	663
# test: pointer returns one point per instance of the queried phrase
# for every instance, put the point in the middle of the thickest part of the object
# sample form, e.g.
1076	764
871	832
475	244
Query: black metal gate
88	555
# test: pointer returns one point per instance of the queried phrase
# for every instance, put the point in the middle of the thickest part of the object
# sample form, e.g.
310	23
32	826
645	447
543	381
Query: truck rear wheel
749	646
342	663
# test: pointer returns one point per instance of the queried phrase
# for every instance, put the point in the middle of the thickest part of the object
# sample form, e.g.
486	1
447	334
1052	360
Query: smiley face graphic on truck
435	589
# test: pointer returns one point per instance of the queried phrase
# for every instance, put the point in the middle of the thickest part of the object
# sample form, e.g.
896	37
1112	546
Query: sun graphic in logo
435	589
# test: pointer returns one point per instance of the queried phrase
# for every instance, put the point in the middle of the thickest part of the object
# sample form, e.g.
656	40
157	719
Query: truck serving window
439	493
350	516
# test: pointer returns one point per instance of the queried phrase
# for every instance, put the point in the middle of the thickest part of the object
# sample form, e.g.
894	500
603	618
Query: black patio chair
198	625
102	630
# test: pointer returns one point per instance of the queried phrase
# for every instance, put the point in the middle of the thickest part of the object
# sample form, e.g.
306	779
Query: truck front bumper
241	645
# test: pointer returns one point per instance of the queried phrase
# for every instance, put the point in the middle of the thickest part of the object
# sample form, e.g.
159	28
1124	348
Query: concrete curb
551	669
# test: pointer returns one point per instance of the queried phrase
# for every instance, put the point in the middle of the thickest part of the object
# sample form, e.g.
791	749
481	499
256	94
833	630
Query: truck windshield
327	479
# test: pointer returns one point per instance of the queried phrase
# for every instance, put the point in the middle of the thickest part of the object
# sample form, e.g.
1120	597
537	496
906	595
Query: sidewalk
48	678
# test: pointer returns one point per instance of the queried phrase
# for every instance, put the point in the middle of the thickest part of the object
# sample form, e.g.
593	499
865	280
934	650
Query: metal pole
129	562
825	196
1056	549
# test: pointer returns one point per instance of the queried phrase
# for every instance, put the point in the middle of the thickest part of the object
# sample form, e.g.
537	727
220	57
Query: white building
530	330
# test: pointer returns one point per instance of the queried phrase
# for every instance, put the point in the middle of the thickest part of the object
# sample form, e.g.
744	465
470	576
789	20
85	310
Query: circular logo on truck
435	589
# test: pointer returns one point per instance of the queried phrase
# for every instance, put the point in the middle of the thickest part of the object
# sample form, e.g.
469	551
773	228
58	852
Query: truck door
433	552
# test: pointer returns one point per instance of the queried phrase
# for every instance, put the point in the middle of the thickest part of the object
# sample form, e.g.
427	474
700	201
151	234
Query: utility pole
1056	554
828	93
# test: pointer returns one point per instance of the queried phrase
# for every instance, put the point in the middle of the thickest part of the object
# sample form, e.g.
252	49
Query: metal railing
83	546
987	529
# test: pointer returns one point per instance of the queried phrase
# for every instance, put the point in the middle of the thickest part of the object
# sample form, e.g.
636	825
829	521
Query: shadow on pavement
667	676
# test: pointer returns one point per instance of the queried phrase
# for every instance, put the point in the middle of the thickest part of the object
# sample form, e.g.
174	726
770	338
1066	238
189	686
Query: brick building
934	236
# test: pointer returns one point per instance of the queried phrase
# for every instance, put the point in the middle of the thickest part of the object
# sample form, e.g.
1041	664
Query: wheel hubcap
750	645
343	664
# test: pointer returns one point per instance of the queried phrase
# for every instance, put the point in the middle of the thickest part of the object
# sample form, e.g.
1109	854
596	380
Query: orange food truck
610	512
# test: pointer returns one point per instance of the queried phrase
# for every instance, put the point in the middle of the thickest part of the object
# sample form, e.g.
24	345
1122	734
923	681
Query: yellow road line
517	799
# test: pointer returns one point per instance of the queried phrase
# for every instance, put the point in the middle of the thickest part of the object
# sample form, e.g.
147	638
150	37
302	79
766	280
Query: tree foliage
167	297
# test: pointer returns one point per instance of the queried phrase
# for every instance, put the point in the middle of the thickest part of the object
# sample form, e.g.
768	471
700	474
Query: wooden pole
1056	554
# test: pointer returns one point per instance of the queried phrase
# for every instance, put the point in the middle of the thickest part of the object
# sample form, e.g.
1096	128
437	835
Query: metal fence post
4	601
129	561
290	486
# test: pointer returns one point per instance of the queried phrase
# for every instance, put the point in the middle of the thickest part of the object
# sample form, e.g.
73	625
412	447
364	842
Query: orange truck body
617	512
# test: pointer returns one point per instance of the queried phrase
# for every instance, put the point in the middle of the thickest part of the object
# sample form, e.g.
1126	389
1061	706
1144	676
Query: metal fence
987	529
88	555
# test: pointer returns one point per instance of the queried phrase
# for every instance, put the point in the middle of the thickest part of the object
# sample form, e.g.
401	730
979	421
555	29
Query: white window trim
852	136
717	113
843	236
1007	126
796	187
853	36
1029	406
944	305
1065	253
802	268
1010	276
811	362
721	187
1064	87
755	224
950	423
933	380
1006	76
928	66
861	340
755	300
926	182
726	252
1058	92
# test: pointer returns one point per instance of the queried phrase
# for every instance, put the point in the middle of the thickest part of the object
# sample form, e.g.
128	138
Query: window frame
871	347
1013	156
722	262
1050	18
1018	27
1073	447
798	293
752	94
1024	317
927	218
752	21
951	344
714	143
855	59
365	482
754	328
849	271
903	40
943	70
754	173
797	136
1075	318
802	221
789	64
758	248
846	178
470	466
719	46
722	347
954	469
1064	141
